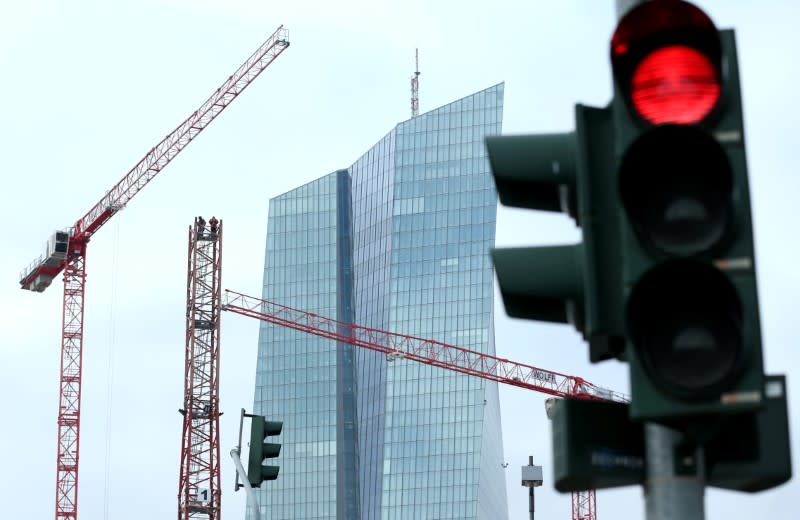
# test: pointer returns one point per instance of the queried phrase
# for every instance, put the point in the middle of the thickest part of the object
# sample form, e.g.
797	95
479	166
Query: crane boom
427	351
42	271
435	353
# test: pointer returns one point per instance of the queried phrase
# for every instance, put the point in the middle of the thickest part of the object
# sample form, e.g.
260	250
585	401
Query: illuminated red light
675	84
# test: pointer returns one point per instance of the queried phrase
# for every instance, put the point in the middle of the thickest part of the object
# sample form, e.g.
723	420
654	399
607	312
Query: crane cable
110	368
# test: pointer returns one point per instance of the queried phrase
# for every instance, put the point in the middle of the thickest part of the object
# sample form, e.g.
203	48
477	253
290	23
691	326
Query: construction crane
434	353
66	251
199	490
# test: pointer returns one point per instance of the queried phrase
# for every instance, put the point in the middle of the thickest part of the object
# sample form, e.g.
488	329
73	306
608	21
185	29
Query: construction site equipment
66	252
434	353
199	491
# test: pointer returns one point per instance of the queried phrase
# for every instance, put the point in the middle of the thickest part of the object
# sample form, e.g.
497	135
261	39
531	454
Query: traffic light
664	275
578	283
260	428
688	268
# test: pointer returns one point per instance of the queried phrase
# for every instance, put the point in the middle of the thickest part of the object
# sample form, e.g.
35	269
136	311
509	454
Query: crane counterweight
38	276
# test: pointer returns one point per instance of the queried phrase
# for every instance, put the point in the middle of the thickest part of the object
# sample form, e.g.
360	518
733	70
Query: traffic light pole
251	494
668	495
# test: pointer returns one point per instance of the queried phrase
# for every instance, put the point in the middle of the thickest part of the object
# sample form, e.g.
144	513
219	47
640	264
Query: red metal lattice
584	505
199	492
69	401
426	351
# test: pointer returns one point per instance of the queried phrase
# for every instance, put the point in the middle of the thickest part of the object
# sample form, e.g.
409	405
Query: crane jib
37	277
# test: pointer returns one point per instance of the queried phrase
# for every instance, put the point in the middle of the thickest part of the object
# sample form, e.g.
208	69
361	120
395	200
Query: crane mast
66	251
434	353
199	491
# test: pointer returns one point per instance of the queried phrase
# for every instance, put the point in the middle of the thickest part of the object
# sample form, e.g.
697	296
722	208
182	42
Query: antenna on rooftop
415	89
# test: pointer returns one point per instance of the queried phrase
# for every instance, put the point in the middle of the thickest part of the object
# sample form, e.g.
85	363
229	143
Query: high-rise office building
399	241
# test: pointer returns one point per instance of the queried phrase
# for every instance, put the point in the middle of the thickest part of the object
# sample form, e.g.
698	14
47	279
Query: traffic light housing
260	429
688	268
597	446
575	283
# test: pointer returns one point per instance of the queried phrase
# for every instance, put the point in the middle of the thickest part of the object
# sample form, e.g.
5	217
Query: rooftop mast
415	89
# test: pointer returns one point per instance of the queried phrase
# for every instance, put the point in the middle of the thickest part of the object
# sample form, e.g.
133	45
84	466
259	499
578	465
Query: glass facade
400	240
296	372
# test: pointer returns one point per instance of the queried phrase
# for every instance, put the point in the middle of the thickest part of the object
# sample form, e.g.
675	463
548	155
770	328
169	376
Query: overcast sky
90	86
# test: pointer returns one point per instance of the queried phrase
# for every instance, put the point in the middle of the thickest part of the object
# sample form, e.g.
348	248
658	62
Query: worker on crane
201	226
213	224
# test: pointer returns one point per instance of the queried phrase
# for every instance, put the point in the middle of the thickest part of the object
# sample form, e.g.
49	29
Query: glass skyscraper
398	242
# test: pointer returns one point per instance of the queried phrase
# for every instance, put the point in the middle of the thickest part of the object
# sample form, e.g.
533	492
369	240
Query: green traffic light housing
260	429
576	283
535	171
597	446
687	253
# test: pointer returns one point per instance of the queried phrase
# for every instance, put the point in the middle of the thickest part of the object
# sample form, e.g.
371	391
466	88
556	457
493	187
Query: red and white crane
199	490
434	353
66	251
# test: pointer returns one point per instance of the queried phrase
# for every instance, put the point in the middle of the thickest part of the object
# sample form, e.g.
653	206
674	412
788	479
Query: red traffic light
667	62
674	84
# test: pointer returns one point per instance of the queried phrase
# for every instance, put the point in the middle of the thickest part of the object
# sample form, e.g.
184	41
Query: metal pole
236	485
530	492
251	495
675	483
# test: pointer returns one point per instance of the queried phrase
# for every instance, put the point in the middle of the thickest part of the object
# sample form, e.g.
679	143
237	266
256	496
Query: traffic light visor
666	57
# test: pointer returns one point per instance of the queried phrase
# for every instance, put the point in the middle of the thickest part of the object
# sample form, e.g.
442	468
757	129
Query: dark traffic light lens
685	320
675	84
692	353
675	184
685	219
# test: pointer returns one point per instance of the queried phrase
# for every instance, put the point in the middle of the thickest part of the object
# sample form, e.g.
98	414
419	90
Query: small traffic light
688	268
260	428
576	283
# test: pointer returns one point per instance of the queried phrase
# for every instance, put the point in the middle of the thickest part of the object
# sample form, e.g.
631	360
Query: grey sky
90	86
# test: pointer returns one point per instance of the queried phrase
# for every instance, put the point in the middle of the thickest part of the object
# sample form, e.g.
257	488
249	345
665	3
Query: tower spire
415	88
